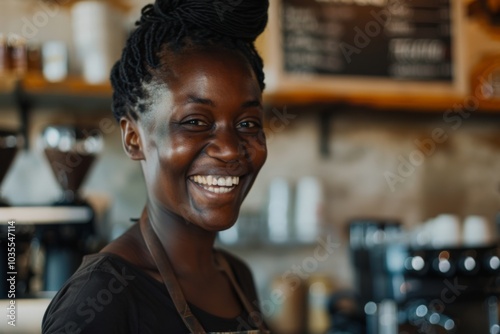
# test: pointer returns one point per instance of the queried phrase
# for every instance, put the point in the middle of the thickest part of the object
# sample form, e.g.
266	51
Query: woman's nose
226	145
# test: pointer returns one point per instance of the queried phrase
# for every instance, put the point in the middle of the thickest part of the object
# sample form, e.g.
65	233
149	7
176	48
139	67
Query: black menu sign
401	39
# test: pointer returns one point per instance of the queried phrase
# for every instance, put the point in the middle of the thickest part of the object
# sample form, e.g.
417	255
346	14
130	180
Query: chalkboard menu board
401	39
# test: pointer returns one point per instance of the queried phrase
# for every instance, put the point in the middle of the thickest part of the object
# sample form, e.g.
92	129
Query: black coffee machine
52	239
405	289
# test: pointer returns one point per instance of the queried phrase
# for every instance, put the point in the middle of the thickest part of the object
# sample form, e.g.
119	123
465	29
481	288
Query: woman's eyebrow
252	104
199	100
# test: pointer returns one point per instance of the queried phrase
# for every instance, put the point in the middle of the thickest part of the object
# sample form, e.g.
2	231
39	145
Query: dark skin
208	122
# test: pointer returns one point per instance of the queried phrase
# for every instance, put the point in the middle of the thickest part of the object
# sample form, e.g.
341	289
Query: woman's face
202	140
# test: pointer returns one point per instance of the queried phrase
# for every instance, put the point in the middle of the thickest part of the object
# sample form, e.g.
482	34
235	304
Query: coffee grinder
9	143
70	151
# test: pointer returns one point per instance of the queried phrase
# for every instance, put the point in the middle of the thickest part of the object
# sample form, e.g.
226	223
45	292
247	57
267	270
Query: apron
165	268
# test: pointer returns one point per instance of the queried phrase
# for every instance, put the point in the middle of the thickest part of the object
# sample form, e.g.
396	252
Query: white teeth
219	190
223	184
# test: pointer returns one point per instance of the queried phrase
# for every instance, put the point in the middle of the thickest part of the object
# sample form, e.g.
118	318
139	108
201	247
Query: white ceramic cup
446	231
477	231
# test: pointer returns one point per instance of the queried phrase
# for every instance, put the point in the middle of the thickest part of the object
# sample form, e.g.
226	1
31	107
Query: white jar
308	209
99	38
55	61
278	211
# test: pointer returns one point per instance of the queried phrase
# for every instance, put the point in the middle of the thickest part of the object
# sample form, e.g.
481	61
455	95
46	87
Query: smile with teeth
216	184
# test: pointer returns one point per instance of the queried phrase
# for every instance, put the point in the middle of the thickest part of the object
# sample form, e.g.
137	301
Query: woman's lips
217	184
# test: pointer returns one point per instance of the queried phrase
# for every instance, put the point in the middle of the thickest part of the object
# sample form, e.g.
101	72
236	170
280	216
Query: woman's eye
195	122
248	125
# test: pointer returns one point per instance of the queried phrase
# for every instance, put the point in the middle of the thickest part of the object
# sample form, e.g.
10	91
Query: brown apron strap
165	268
222	262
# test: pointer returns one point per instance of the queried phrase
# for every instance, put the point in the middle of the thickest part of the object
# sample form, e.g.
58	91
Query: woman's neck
188	247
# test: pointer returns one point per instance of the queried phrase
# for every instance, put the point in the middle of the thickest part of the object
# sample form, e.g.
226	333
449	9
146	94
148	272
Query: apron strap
165	268
222	262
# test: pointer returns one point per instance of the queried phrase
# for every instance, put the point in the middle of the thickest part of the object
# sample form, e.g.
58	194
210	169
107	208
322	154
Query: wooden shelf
385	101
34	92
74	90
35	84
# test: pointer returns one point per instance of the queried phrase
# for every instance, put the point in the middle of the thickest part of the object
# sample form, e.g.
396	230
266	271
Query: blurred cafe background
377	209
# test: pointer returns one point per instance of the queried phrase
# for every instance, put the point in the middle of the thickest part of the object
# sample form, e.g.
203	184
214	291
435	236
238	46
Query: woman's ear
131	139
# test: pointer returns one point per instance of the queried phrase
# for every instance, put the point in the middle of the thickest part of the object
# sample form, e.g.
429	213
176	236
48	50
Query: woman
188	97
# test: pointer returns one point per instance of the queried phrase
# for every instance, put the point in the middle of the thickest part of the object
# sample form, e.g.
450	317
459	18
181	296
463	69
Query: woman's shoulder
130	247
122	259
97	291
106	286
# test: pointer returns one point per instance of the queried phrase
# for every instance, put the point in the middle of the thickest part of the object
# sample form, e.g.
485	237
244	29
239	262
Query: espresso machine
54	236
405	288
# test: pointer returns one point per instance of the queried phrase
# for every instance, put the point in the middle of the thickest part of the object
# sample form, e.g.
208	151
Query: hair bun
241	19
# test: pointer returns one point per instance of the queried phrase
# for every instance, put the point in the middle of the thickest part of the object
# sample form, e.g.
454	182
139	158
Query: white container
55	61
99	38
477	231
308	209
278	213
446	231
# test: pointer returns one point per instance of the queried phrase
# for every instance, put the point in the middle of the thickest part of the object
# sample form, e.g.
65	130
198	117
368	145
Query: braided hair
172	25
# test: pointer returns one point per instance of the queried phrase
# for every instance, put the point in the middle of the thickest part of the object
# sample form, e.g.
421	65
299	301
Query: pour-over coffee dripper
71	150
9	142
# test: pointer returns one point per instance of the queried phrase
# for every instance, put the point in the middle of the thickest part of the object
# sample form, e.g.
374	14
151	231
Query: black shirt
109	295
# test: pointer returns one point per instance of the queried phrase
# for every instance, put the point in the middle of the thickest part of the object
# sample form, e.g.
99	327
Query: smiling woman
188	98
